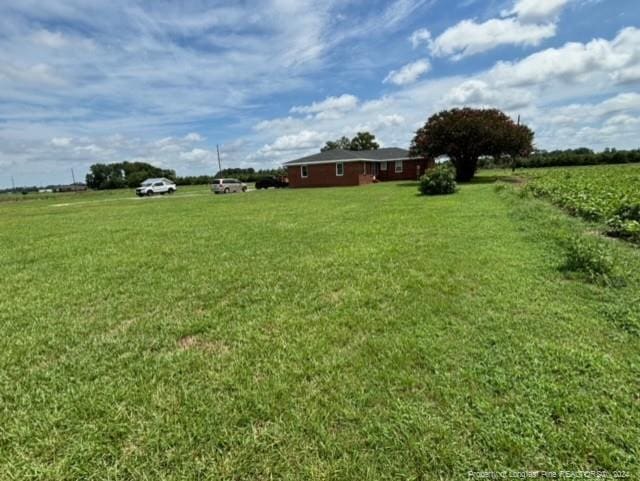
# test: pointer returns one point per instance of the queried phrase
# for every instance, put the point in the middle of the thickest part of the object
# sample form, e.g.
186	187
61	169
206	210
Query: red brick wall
324	175
409	169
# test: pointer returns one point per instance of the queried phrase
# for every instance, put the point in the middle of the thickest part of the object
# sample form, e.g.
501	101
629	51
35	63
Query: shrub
625	222
588	257
438	181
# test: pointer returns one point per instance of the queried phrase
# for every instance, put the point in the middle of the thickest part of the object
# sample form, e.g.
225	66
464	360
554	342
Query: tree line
582	156
124	174
566	158
131	174
244	175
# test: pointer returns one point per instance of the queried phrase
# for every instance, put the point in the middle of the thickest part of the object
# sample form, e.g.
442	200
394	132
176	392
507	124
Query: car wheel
149	193
244	189
226	191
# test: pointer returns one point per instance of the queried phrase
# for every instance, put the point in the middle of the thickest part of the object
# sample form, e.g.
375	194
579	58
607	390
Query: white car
225	186
156	186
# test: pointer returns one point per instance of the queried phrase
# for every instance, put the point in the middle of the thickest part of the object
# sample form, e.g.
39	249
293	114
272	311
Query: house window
304	171
383	166
398	166
339	169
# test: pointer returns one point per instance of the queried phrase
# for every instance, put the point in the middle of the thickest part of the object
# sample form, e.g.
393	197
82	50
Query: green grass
349	333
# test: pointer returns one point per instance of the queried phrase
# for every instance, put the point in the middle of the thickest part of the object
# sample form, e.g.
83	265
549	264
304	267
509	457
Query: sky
270	81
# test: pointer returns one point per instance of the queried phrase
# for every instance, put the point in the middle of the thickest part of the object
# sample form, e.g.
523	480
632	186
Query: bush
589	257
625	223
438	181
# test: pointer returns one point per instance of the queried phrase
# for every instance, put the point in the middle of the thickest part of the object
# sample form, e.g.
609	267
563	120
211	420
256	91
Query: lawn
335	334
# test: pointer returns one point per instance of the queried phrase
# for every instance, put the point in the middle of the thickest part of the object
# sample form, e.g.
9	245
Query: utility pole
73	176
219	163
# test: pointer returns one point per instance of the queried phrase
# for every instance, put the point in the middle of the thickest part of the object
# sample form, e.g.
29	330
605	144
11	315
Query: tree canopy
362	141
466	134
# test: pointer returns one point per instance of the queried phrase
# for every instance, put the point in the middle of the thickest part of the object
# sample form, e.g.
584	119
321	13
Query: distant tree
342	143
362	141
105	176
466	134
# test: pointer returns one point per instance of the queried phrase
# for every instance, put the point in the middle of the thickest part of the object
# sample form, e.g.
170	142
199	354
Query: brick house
345	167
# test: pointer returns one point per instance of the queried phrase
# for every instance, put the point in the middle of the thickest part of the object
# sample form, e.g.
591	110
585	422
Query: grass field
334	334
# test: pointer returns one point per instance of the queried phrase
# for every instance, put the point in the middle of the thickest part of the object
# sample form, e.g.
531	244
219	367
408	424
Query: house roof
389	153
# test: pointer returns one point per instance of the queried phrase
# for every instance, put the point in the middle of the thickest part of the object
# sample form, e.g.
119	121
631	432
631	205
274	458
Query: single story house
346	167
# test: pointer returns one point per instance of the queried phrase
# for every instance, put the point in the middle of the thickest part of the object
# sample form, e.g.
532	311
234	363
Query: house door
418	171
374	169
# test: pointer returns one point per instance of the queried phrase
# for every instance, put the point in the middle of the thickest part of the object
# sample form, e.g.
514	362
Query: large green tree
466	134
362	141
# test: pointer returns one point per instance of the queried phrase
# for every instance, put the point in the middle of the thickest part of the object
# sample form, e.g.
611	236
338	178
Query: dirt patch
188	343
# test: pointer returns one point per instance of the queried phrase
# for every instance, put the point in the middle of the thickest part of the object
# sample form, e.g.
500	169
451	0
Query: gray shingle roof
389	153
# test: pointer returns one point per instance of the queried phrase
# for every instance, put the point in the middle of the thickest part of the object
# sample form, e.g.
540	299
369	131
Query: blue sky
163	81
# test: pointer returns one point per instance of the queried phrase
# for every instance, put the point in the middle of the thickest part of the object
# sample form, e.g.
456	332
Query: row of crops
609	194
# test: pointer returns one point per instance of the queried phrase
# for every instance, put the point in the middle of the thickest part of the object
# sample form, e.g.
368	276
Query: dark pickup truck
267	182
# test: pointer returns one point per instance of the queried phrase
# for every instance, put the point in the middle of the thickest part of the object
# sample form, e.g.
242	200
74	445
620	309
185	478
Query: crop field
603	193
326	334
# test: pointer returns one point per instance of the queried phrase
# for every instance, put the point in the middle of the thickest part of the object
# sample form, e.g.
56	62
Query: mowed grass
347	334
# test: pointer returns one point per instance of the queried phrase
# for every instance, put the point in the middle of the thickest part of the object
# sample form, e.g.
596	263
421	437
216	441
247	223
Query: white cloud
528	23
39	73
409	73
381	123
623	120
468	37
573	62
197	155
479	93
343	103
49	39
61	141
306	139
616	105
627	75
537	10
420	37
193	137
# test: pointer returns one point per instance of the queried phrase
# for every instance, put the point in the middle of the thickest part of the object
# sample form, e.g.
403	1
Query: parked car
267	182
156	186
225	186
